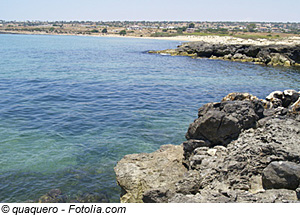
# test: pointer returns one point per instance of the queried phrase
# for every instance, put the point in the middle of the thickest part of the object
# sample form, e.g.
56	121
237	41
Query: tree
123	33
104	31
251	27
192	25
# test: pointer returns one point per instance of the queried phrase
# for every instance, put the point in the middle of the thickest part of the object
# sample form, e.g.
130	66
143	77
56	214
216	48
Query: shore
226	40
241	149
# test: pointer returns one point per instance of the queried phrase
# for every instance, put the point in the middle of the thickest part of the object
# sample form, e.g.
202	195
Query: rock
290	97
285	99
274	95
269	196
274	55
56	196
93	198
238	56
296	106
53	196
240	165
212	152
281	175
138	173
156	196
256	184
181	198
220	123
215	127
190	183
240	97
298	193
189	149
237	151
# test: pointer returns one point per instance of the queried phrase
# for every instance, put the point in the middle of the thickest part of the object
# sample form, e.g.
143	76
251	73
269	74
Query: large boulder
281	175
220	123
161	170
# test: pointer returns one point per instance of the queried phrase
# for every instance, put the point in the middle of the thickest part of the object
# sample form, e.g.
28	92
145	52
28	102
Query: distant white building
171	27
190	30
135	27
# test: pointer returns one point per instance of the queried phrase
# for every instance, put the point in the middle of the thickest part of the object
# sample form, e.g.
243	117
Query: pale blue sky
152	10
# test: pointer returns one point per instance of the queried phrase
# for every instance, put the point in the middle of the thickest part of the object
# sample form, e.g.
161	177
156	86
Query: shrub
192	25
123	33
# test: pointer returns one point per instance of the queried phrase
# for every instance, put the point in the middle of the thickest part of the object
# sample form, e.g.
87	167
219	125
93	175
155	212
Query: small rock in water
53	196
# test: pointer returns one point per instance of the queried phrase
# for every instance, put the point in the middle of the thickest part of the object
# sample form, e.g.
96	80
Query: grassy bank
237	35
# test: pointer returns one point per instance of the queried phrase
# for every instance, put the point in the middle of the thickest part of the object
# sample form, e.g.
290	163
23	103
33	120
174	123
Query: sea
72	106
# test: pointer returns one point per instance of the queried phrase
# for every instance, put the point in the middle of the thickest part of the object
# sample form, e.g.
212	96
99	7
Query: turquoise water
71	107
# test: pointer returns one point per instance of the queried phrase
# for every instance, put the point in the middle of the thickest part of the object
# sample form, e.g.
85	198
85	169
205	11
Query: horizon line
147	21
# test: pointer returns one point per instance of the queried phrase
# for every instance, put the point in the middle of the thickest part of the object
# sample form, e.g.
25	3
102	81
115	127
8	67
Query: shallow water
71	107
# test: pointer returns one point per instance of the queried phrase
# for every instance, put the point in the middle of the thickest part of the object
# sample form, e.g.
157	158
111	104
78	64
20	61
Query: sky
151	10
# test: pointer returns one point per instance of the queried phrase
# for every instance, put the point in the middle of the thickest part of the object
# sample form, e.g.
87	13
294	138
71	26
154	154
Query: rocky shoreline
242	149
272	54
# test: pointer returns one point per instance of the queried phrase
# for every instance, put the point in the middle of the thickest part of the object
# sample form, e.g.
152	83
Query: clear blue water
71	107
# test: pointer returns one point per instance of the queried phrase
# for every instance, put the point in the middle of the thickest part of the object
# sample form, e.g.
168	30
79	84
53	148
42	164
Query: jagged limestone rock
139	173
202	171
273	55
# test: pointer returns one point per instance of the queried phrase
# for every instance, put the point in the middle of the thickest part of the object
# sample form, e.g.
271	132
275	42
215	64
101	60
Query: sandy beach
219	39
193	38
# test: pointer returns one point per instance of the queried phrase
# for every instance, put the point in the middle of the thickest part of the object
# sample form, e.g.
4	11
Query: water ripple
71	107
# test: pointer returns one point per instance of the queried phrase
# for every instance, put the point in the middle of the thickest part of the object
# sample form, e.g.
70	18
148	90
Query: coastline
86	38
242	149
179	38
213	39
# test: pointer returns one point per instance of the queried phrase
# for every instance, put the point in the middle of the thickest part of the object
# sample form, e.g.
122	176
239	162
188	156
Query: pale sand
209	39
221	39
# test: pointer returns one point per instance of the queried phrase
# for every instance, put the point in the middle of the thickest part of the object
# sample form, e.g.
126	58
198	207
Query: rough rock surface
243	149
219	123
284	55
282	174
139	173
56	196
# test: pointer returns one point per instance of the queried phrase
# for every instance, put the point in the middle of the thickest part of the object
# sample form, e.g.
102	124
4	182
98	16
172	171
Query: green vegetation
181	30
217	33
251	27
256	36
248	30
123	33
218	30
164	34
192	25
94	31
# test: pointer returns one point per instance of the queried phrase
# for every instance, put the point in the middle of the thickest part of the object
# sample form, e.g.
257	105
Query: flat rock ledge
242	149
273	55
139	173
